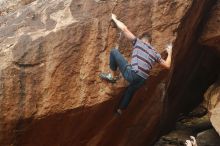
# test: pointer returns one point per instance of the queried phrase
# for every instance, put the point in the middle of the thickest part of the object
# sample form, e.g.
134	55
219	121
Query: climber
144	57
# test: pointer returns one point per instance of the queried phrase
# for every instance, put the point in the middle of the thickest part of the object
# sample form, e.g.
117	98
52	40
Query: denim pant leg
130	91
117	60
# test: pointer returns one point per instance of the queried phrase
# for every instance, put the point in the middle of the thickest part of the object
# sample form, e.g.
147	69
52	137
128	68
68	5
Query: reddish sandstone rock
165	20
211	38
51	54
211	34
194	66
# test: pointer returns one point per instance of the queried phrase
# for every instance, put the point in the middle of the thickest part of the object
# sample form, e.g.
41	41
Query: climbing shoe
119	112
108	77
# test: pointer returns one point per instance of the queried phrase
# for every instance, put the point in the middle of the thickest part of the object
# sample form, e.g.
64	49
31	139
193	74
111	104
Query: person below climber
191	142
144	56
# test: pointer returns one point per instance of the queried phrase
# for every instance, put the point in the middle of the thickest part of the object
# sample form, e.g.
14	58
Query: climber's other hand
114	17
169	48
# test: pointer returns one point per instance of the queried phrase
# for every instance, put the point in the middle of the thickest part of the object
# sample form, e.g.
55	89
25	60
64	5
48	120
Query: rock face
208	138
52	52
211	38
192	76
212	102
211	34
194	66
8	6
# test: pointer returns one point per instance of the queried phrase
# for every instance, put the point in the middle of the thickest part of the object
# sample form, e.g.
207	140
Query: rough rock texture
211	38
208	138
194	66
212	102
192	124
174	138
51	53
166	19
211	34
9	6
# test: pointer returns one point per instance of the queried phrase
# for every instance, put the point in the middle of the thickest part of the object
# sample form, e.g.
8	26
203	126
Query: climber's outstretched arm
167	63
123	27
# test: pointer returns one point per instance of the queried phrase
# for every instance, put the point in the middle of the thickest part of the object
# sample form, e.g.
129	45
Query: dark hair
146	36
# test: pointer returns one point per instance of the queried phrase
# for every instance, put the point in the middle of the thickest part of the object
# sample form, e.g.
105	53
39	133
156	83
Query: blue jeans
117	60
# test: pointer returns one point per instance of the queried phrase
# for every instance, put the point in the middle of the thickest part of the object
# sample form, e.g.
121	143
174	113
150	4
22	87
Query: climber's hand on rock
114	17
169	48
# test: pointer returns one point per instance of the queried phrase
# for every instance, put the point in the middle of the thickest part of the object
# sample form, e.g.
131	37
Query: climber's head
146	38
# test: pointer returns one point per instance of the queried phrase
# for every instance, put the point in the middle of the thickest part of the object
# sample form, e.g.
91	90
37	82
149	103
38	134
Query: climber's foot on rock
118	112
108	77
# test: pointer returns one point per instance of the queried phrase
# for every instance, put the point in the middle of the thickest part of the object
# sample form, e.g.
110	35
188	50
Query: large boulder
194	66
208	138
51	54
211	38
212	102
